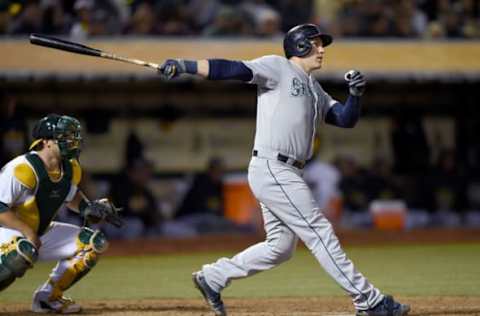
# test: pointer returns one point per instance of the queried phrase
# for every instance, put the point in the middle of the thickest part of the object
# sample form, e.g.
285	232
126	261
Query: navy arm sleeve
222	69
344	115
3	207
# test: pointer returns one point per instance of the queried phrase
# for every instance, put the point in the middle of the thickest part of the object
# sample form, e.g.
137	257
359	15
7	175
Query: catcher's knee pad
90	244
92	239
15	258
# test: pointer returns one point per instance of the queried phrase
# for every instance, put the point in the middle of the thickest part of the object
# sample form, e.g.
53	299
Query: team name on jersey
299	88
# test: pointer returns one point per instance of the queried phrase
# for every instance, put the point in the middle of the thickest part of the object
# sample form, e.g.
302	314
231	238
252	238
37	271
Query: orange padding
389	214
240	205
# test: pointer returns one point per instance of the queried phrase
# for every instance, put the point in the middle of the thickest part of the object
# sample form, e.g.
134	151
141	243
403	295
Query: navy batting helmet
297	40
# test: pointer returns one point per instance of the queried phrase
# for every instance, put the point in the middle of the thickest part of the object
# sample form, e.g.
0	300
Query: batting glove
172	68
356	82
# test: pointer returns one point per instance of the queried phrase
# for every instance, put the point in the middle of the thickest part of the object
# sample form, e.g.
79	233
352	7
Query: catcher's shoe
213	298
387	307
61	305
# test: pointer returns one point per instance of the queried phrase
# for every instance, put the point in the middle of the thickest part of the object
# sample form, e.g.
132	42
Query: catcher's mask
65	130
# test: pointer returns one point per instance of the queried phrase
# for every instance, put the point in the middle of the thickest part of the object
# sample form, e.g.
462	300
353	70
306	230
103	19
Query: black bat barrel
57	43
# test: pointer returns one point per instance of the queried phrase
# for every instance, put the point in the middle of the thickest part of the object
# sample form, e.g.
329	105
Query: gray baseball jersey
291	103
290	106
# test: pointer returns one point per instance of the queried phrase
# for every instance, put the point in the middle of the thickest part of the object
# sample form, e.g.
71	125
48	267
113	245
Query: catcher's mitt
103	210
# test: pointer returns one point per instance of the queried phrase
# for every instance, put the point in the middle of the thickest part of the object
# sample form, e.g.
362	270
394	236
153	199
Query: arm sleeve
266	70
4	207
221	69
325	101
344	115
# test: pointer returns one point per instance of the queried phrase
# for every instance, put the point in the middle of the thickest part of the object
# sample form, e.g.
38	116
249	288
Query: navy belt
285	159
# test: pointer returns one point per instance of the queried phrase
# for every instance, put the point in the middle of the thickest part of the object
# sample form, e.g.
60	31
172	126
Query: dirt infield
239	242
281	306
335	306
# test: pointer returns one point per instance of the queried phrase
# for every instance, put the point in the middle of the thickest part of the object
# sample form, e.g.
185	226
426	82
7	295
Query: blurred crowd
435	183
80	19
199	202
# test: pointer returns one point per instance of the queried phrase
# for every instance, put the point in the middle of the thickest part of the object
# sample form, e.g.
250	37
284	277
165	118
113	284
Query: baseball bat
52	42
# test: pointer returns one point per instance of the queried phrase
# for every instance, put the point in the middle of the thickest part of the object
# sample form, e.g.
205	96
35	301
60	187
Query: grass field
436	273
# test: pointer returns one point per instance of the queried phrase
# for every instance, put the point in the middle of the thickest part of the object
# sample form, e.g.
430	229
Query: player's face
316	55
52	147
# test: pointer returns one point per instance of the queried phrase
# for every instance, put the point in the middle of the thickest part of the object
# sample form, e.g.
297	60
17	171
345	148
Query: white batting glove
356	82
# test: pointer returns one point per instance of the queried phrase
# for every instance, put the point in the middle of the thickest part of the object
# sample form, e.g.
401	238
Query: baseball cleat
387	307
62	305
213	298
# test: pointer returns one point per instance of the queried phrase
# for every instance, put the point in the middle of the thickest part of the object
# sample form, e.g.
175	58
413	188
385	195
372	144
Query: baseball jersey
27	189
290	105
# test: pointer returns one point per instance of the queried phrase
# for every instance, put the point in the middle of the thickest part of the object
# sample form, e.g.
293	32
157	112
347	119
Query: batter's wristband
191	67
82	206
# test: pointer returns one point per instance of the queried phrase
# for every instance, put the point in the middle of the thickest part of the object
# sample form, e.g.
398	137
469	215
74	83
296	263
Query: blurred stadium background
174	154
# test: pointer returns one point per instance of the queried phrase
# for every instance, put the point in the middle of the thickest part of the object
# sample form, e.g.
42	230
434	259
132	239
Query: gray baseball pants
289	210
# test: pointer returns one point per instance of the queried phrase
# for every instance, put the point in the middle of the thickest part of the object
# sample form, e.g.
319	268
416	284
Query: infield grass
434	270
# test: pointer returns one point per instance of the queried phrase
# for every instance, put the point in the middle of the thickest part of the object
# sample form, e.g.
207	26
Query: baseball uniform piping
315	232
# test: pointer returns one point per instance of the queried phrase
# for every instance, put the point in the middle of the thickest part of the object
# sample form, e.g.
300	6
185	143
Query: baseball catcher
33	187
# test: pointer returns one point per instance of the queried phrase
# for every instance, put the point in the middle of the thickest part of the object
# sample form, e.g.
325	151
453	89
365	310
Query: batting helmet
297	40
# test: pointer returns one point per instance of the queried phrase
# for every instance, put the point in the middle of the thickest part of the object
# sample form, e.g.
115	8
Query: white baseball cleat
62	305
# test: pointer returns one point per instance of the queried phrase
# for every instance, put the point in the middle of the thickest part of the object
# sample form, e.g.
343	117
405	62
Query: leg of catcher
49	297
16	256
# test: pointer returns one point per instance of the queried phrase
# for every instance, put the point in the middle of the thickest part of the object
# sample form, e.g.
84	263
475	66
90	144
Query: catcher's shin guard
16	257
67	272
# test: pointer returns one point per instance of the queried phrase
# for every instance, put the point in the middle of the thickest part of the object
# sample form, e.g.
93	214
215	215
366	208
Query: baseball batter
33	187
290	106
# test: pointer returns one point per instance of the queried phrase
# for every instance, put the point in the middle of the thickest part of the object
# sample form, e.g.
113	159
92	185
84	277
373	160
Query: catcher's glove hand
103	210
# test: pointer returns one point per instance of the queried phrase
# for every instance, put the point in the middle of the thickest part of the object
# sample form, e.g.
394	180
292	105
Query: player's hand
172	68
356	82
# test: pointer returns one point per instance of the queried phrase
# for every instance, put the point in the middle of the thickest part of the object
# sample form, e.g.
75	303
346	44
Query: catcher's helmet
66	130
297	40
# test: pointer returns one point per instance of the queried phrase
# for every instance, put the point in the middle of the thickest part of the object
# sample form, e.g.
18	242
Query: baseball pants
290	212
